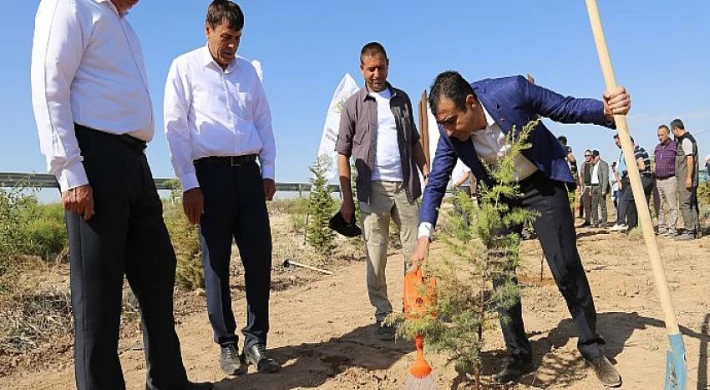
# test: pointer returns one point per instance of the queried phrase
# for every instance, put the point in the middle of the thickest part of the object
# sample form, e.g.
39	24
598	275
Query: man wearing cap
686	170
585	183
600	188
377	129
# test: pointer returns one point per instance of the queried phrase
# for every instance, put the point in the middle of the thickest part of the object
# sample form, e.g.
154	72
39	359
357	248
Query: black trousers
627	207
127	235
235	209
555	230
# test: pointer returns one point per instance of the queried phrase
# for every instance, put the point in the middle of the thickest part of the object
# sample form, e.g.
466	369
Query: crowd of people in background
670	177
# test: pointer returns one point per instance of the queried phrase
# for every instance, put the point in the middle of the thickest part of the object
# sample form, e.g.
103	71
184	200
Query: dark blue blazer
511	101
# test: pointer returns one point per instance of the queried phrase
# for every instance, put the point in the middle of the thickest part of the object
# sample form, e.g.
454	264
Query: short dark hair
372	49
595	153
225	11
587	151
616	136
678	124
562	139
452	85
664	127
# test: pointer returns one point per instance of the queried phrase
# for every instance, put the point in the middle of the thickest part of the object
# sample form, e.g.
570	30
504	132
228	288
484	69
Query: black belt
134	143
664	177
232	161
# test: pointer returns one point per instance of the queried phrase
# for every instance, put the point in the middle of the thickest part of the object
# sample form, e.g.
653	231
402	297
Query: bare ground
323	334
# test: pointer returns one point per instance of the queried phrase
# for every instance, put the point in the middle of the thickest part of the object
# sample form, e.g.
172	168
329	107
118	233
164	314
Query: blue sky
659	51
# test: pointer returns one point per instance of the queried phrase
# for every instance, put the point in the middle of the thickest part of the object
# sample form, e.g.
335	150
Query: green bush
44	231
321	206
186	242
29	228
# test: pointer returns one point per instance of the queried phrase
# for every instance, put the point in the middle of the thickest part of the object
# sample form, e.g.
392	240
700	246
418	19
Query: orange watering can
419	296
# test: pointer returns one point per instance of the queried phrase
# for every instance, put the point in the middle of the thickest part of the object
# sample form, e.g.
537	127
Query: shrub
321	206
186	242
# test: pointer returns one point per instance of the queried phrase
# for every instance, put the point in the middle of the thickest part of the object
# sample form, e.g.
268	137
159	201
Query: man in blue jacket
473	121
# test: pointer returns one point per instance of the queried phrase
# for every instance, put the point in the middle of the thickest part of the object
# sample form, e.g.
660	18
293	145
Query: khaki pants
668	191
387	200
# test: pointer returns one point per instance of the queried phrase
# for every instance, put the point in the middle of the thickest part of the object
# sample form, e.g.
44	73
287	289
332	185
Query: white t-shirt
388	165
459	172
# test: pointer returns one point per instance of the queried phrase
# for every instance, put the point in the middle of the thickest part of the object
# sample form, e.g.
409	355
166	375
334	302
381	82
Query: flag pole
676	370
424	127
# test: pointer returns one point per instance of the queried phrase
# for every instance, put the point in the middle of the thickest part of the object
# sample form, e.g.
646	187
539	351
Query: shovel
676	366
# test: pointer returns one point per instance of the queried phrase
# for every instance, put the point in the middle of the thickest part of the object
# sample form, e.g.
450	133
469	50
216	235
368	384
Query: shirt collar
113	7
489	119
364	93
207	59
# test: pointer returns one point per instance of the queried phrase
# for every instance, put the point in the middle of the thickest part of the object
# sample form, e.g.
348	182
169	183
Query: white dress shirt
214	112
87	68
460	170
491	146
595	173
388	164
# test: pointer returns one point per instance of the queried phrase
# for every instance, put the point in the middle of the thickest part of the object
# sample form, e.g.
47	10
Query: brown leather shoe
605	371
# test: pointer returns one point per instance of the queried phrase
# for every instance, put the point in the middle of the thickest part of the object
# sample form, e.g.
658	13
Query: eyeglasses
587	155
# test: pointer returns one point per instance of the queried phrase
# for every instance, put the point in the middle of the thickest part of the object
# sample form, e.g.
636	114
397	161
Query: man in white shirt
377	130
218	124
600	189
94	117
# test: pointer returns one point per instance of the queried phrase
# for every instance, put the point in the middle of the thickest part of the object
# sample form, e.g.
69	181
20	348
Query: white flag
346	88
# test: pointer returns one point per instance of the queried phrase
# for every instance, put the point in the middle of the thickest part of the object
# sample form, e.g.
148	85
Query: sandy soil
323	334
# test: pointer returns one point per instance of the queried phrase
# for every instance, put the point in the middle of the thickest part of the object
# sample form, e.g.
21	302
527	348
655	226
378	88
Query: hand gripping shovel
676	368
418	298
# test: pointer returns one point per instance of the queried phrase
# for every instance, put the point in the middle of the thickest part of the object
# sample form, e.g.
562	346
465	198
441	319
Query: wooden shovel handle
634	176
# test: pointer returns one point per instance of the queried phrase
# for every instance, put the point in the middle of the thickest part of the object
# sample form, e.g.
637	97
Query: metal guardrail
43	180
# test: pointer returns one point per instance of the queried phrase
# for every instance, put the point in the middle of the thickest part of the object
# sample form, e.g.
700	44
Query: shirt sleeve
176	103
57	48
346	131
687	147
262	122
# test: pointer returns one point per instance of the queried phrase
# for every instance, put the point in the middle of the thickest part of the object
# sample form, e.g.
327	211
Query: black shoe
385	332
585	224
513	370
606	373
256	355
199	386
194	386
230	361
